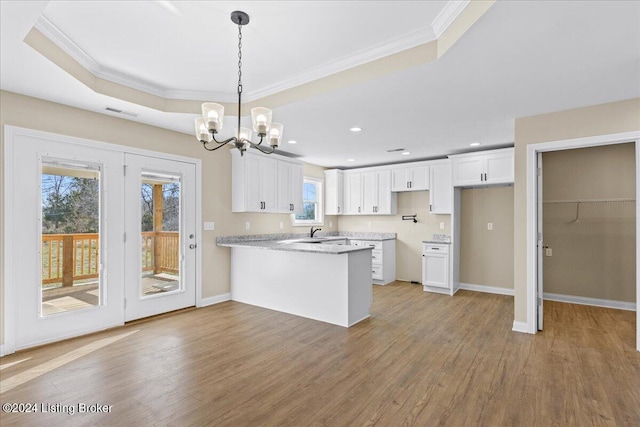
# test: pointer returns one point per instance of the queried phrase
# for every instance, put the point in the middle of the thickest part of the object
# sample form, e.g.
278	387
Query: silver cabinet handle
192	246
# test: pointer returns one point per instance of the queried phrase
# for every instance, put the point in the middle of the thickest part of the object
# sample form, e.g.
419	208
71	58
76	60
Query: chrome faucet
312	232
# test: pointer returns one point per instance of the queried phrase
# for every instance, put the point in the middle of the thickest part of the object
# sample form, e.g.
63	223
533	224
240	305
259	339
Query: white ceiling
520	58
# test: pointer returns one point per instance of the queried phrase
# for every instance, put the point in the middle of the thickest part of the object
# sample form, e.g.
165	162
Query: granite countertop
287	242
292	246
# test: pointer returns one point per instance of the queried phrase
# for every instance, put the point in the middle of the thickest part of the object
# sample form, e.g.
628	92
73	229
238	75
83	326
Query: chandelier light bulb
202	134
275	134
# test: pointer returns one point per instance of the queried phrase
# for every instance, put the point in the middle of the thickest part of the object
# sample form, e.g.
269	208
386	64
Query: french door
160	236
65	230
95	236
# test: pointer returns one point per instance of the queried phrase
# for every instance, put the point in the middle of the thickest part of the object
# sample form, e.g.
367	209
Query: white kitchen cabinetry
483	168
383	260
290	179
441	189
435	268
369	193
334	192
410	178
259	183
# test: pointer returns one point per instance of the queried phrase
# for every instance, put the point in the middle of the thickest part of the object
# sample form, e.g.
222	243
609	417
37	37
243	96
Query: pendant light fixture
211	121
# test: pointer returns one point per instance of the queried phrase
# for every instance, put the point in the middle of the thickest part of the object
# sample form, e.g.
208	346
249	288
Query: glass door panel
70	237
160	225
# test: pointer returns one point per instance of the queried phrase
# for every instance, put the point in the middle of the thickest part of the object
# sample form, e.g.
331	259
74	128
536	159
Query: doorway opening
537	247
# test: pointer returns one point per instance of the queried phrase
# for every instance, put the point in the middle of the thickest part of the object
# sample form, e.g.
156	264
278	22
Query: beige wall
593	256
616	117
22	111
409	235
486	256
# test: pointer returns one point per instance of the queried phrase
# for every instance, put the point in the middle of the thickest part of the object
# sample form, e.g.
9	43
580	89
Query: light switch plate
442	226
489	226
247	225
208	226
548	252
330	224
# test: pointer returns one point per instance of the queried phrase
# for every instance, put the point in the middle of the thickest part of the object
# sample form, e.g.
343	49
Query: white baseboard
216	299
4	350
597	302
520	327
487	289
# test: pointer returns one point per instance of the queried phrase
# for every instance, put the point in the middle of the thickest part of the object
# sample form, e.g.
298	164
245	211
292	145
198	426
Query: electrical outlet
369	224
247	225
281	225
208	226
330	224
489	226
548	252
442	226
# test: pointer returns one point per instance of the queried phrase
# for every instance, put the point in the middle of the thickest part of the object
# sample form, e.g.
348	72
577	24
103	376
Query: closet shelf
592	201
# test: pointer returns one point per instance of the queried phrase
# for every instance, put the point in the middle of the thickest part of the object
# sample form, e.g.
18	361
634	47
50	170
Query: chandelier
210	123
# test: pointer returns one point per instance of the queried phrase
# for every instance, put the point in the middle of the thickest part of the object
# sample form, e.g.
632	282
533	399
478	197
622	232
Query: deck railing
70	257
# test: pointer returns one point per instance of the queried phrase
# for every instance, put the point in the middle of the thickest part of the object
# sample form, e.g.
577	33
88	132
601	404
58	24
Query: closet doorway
583	224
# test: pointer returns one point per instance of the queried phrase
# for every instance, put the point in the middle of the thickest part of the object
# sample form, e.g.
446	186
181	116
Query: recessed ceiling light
355	129
406	153
474	144
351	160
292	142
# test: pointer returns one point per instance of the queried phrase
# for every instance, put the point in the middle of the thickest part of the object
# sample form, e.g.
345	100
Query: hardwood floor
422	359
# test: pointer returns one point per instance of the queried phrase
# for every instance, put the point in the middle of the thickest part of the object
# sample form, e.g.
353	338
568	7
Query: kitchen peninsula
320	278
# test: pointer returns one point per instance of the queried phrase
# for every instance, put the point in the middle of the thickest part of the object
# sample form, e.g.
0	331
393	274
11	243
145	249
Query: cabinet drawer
376	245
376	272
434	248
376	257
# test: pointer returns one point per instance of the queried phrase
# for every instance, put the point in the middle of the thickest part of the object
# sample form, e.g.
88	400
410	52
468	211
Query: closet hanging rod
619	200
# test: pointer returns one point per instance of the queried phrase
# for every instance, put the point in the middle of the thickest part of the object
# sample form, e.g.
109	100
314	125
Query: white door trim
8	292
532	215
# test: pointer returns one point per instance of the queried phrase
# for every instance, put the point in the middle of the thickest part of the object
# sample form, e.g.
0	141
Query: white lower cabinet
435	268
383	260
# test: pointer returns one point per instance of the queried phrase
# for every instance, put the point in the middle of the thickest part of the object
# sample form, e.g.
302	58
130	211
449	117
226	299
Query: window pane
160	224
309	192
70	238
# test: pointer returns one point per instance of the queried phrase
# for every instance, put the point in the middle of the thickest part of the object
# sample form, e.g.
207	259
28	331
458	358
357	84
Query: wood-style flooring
421	360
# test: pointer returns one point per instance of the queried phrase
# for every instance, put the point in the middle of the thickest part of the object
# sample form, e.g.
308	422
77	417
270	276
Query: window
312	209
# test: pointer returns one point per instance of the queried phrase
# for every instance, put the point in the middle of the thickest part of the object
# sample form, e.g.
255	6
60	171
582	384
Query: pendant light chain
239	59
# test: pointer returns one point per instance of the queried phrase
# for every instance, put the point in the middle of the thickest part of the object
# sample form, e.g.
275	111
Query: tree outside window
312	209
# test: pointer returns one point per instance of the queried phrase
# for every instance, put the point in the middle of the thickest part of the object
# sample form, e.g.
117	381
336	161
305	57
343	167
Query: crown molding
389	47
447	15
53	33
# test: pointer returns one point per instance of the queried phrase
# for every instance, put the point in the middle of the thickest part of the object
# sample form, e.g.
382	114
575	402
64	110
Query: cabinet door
369	192
468	171
284	186
353	193
499	168
334	190
268	183
252	185
435	270
297	181
441	189
400	178
385	204
419	178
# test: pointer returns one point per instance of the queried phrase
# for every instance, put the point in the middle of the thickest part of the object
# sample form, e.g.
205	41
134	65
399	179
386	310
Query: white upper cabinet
369	193
265	183
483	168
352	193
441	189
290	180
414	177
334	192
